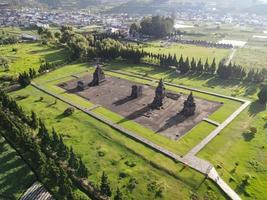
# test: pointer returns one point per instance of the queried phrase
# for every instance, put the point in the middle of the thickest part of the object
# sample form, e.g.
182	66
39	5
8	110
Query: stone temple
189	106
98	76
137	91
159	96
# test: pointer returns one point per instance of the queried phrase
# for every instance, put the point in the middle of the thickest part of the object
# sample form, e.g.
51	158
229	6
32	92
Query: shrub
132	184
253	130
69	111
246	179
130	163
101	153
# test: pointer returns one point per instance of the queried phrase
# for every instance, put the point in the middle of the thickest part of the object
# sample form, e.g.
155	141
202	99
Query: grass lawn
15	175
29	55
236	144
104	149
187	51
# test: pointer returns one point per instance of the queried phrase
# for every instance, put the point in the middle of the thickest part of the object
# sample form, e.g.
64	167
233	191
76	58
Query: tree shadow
248	136
139	113
256	107
123	101
174	120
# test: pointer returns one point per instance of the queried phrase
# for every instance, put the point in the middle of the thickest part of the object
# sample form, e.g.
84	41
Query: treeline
194	66
156	26
8	39
54	164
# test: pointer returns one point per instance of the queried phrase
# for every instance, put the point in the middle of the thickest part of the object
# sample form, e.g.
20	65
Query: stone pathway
189	159
37	192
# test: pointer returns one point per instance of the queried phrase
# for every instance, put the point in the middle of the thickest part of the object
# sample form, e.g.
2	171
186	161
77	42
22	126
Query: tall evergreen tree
34	121
118	195
193	66
262	95
104	187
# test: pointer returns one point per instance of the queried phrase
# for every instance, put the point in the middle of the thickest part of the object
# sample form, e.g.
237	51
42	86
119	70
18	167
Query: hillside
156	6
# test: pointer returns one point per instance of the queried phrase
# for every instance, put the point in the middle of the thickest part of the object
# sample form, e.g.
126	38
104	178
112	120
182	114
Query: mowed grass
15	176
237	146
185	50
29	55
104	149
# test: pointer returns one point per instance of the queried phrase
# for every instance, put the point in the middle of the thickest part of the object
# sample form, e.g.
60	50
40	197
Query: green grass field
236	145
187	51
104	149
29	55
15	175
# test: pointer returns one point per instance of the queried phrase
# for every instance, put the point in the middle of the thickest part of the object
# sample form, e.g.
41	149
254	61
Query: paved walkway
37	192
190	160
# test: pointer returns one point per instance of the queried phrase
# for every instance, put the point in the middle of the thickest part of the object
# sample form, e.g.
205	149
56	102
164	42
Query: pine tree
73	162
199	66
63	152
212	67
118	195
34	121
44	136
24	79
55	140
104	187
180	63
207	66
193	65
82	171
262	95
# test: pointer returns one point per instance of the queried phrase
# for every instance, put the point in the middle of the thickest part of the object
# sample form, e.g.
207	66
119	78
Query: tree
104	187
193	65
262	95
34	121
206	66
73	162
134	29
156	26
24	79
82	171
118	195
212	67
